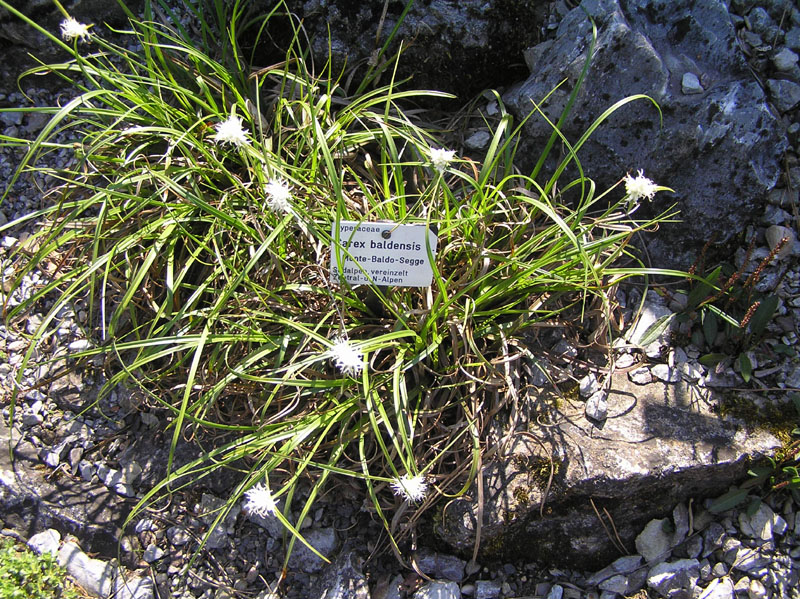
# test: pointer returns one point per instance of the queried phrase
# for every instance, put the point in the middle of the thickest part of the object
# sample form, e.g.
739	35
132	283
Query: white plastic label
383	254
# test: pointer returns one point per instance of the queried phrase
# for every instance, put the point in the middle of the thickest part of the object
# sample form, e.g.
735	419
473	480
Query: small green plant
726	314
200	220
26	575
780	472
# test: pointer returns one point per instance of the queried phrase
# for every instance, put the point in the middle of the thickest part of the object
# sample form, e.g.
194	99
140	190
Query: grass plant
196	220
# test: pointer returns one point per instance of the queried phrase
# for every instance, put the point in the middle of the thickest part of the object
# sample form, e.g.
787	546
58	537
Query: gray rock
324	540
779	525
792	38
478	140
727	126
487	589
742	588
343	579
784	94
556	592
617	584
693	547
36	122
134	588
388	589
759	525
178	536
67	504
690	84
666	373
654	543
209	509
749	560
730	550
94	575
53	457
720	588
641	376
152	553
597	406
760	21
719	570
450	46
757	590
145	525
654	308
86	469
661	451
785	60
29	420
674	580
438	590
217	538
440	566
680	520
46	541
588	385
622	565
270	523
11	118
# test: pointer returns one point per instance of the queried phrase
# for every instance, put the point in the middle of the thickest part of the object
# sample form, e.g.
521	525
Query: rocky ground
83	470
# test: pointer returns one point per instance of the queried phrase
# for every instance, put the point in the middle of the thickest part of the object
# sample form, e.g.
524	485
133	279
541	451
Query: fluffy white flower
348	358
259	501
640	187
278	196
410	488
71	29
440	158
231	131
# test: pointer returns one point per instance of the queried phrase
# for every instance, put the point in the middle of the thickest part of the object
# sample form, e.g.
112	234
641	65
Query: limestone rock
343	579
784	94
655	450
654	543
460	47
674	580
45	542
720	588
622	565
437	589
324	540
441	566
705	138
94	575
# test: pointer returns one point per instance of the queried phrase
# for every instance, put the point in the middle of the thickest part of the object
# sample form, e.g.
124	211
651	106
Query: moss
521	496
776	417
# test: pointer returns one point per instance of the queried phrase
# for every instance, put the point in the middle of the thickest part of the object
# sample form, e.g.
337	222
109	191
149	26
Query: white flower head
231	131
348	358
278	196
259	501
440	158
71	29
640	187
411	488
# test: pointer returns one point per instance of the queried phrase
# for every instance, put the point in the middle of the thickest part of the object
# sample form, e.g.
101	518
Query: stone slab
661	445
32	499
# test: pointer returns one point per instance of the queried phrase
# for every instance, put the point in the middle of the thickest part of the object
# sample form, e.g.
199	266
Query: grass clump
200	219
26	575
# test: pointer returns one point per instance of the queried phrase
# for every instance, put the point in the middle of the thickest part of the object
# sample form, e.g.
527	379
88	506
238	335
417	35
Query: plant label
382	253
